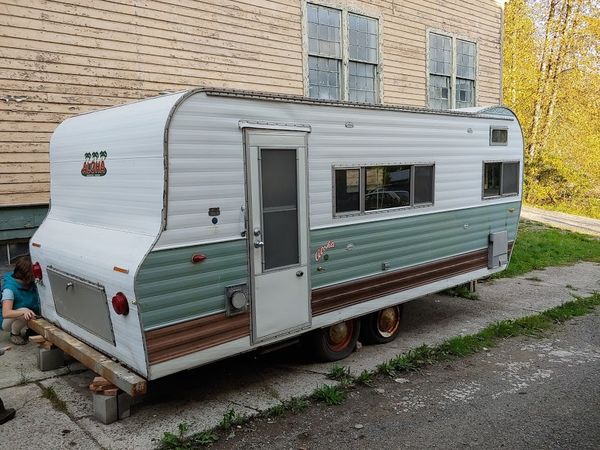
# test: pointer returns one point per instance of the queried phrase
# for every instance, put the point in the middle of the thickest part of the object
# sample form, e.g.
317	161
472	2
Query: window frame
498	144
362	188
345	60
502	194
454	37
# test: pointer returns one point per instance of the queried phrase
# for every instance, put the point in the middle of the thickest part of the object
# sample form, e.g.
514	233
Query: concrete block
124	405
105	408
50	359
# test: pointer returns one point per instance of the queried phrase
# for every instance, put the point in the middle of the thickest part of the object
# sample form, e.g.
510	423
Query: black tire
371	331
321	342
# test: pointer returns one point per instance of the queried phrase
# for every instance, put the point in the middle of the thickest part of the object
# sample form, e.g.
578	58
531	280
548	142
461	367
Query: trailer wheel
381	326
336	341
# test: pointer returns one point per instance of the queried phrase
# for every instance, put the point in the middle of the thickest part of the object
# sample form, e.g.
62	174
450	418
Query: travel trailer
198	225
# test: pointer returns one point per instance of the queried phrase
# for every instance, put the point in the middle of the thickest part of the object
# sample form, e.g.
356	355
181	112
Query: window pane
361	82
465	59
440	54
347	190
279	205
465	93
387	187
423	184
324	78
439	92
499	136
324	31
510	178
491	179
363	38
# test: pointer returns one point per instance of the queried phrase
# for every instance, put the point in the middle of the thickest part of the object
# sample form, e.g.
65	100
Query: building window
500	179
452	72
336	55
372	188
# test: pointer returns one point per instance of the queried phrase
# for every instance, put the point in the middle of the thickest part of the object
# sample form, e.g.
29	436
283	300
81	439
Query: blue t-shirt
23	297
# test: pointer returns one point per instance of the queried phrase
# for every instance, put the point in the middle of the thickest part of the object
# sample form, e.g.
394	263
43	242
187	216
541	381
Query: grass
365	378
461	291
181	441
57	403
231	419
538	246
332	395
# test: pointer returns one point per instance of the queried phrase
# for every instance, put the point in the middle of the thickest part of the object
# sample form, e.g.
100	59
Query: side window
500	179
498	135
364	189
347	190
387	187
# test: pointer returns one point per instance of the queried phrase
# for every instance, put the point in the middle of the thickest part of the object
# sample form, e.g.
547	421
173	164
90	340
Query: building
65	58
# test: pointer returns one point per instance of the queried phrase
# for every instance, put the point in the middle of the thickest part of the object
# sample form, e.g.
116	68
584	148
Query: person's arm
9	313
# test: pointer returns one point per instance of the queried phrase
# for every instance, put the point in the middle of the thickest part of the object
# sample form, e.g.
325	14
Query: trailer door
278	232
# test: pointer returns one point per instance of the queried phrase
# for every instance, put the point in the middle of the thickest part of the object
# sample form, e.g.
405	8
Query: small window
423	185
498	136
347	190
500	179
387	187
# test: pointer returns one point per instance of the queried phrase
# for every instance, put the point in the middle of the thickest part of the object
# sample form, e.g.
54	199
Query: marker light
120	304
37	271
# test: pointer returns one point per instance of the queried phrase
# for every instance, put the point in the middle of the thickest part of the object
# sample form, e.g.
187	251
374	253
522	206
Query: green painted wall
20	222
170	288
362	249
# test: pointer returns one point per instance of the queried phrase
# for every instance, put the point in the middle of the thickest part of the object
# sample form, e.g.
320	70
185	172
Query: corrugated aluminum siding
171	289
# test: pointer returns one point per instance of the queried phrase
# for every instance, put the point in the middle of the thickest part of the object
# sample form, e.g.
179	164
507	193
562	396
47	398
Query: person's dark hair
23	270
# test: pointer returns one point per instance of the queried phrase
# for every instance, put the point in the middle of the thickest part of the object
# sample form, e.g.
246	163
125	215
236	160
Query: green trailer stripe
170	288
361	250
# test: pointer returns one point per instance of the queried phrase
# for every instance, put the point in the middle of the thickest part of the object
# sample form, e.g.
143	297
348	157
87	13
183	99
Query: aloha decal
94	166
323	249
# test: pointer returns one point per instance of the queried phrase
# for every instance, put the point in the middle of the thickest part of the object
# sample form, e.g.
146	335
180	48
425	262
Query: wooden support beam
123	378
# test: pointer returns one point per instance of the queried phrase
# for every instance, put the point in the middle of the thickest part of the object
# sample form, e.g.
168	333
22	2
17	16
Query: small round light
198	258
120	304
238	300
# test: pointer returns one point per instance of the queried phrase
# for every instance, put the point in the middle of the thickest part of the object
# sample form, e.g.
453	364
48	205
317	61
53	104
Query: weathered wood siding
58	59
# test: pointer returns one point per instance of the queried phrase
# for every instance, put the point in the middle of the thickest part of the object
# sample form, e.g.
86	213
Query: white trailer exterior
171	201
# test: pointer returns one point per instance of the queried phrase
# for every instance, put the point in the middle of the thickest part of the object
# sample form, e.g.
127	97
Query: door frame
289	135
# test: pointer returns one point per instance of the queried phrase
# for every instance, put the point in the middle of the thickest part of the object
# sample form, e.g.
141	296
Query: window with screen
342	63
498	136
371	188
452	72
500	179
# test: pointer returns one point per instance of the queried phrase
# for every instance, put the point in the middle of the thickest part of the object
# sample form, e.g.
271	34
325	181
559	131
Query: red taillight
37	271
120	304
198	258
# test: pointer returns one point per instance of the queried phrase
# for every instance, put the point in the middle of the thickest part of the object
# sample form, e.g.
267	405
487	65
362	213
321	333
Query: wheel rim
388	321
340	335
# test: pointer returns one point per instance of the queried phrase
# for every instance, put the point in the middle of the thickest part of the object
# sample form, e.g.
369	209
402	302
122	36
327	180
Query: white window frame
344	71
454	37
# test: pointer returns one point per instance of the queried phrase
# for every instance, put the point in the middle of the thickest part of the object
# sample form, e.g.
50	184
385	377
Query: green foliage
462	292
551	79
365	378
293	405
231	419
181	441
332	395
57	403
538	246
341	374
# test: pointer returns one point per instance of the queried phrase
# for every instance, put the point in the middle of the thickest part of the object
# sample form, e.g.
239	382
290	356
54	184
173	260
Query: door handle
258	244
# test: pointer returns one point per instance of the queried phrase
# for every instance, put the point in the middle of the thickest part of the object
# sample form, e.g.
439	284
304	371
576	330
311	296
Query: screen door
278	234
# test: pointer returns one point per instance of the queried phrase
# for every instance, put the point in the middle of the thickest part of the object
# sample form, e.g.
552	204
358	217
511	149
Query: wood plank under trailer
124	379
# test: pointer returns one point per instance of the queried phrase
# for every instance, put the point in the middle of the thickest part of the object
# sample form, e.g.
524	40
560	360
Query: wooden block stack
101	385
41	342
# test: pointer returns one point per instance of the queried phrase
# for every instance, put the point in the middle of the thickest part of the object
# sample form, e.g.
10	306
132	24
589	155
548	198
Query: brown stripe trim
338	296
184	338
